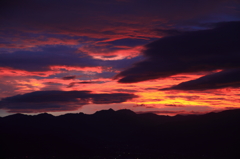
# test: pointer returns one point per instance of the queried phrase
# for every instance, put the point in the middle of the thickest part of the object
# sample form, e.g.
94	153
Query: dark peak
18	115
125	112
109	111
45	115
69	114
228	113
188	115
237	110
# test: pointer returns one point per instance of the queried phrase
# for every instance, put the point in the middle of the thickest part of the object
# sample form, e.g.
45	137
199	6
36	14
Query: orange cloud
150	97
97	69
6	71
116	55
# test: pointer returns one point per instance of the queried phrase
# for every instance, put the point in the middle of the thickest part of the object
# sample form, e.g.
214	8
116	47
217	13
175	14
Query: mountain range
121	134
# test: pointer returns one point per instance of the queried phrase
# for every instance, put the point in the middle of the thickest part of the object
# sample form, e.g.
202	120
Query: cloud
84	82
68	77
50	60
125	90
168	32
226	78
129	42
189	98
203	50
41	101
48	56
110	28
106	19
9	72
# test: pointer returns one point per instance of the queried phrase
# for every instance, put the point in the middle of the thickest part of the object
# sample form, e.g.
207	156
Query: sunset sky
167	57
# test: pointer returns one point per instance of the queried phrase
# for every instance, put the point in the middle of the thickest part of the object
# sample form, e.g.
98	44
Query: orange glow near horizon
150	97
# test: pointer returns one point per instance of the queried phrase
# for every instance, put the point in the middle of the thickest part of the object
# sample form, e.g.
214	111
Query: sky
165	57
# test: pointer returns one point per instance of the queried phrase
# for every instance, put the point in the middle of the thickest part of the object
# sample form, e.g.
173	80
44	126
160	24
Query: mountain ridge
110	133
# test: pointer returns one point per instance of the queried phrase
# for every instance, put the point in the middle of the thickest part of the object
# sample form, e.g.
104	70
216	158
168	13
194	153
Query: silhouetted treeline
121	134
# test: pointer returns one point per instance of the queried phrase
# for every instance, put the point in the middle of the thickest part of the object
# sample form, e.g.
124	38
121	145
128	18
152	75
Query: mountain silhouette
121	134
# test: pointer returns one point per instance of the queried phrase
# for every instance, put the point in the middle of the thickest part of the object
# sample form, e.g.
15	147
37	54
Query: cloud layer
44	58
203	50
227	78
42	101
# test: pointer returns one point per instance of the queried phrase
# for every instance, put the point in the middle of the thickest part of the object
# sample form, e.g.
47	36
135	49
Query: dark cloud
227	78
84	82
173	105
168	32
129	42
150	88
125	90
41	101
190	98
48	56
141	105
203	50
69	77
179	77
44	57
91	16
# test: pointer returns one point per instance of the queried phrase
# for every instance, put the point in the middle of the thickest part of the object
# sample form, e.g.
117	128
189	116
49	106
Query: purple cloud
42	101
203	50
223	79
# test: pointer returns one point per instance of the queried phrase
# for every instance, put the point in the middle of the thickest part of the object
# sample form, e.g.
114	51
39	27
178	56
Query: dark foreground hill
121	134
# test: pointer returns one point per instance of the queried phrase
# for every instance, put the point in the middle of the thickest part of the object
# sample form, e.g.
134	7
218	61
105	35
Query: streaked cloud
204	50
42	101
223	79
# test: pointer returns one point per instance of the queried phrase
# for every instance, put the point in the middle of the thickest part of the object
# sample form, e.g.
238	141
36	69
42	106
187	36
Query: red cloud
6	71
97	69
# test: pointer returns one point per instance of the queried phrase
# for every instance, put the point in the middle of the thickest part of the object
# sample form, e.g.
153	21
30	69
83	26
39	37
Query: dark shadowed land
121	134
